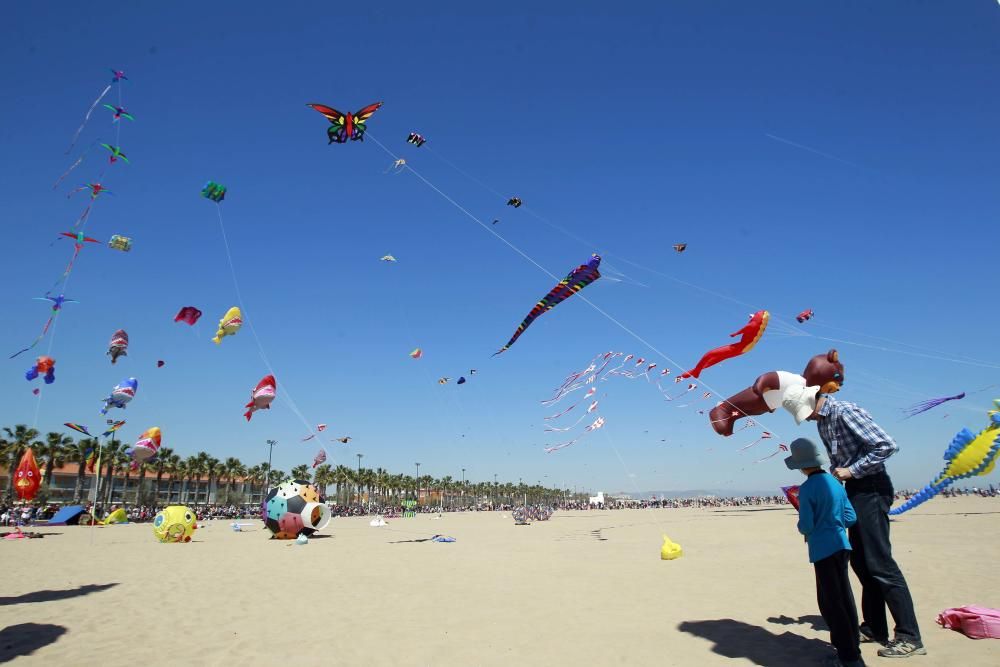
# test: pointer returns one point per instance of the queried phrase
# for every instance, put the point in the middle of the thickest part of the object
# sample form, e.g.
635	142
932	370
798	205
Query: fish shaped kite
344	127
417	353
229	324
27	477
262	396
119	113
120	396
749	335
804	316
578	278
116	153
118	346
44	366
188	315
515	202
416	139
122	243
924	406
968	455
214	191
145	448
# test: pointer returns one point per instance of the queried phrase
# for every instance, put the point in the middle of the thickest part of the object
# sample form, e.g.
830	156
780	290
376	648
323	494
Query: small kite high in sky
262	396
118	242
118	346
577	279
387	258
119	113
924	406
116	153
680	247
417	353
804	316
44	366
319	458
120	396
344	127
416	139
229	324
515	202
749	335
214	191
188	315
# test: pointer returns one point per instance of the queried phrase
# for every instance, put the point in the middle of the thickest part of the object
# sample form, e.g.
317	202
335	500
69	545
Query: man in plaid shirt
858	449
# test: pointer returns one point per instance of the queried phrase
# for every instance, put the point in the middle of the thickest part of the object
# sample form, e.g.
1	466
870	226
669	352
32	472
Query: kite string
943	356
286	394
520	252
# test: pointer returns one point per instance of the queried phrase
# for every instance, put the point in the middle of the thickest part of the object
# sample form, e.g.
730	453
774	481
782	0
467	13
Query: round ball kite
292	508
175	523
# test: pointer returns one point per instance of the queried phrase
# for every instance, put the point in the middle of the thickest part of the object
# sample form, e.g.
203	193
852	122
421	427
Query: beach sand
586	588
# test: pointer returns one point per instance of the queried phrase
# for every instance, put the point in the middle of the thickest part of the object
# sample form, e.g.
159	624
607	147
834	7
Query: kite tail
87	117
921	496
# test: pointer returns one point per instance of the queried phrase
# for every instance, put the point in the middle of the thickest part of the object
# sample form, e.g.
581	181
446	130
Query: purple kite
924	406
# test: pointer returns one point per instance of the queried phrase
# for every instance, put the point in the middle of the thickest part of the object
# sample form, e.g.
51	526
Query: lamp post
418	484
493	493
267	478
463	488
359	477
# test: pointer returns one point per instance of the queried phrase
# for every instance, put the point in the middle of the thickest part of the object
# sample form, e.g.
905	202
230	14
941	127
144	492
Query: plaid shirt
853	439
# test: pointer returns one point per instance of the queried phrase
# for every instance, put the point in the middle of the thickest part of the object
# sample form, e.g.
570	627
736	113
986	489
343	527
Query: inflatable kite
346	439
579	278
416	139
44	366
188	315
319	458
670	550
118	242
388	258
824	374
120	396
417	353
968	455
214	191
346	126
293	508
175	523
924	406
229	324
145	448
116	153
749	335
804	316
27	477
119	113
118	346
262	396
118	516
515	202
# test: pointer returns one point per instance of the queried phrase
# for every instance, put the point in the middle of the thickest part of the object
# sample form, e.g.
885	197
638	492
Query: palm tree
140	482
276	477
123	465
255	475
19	440
161	465
54	452
192	472
232	469
109	454
212	468
341	477
174	467
323	477
301	472
78	453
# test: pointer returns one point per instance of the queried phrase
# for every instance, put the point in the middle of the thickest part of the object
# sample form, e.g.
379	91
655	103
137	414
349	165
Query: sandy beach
584	588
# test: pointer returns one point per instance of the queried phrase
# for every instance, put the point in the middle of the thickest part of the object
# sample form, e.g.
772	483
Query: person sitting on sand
825	513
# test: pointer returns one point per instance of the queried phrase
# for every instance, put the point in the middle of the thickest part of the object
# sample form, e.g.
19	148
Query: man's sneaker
868	638
902	648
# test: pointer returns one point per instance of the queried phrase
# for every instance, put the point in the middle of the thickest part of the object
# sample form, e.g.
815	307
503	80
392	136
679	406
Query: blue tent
67	516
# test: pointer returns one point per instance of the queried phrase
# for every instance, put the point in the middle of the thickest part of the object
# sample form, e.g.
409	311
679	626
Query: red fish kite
749	335
262	396
27	477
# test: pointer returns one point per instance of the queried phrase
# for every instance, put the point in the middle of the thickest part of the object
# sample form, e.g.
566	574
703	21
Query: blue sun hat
805	454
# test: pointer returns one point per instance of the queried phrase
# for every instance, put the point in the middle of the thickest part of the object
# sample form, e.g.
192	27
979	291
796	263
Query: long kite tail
921	496
87	117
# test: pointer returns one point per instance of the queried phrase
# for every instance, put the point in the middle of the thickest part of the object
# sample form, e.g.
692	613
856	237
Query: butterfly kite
578	278
116	153
346	126
116	76
119	113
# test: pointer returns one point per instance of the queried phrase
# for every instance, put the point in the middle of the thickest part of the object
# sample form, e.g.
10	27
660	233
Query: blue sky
623	132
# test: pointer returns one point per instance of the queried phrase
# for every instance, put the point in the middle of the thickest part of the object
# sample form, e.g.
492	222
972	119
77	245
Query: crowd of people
27	515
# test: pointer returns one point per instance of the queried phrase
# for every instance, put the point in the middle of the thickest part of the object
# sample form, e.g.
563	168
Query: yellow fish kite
229	324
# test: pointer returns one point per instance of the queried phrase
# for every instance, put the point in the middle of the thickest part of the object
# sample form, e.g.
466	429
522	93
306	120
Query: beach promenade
585	588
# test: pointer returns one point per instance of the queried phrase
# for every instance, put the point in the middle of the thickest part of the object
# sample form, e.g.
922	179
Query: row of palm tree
235	482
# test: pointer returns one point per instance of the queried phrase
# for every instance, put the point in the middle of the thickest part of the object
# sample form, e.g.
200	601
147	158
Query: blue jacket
825	513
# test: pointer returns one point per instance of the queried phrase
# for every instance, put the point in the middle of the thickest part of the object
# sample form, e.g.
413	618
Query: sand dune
581	589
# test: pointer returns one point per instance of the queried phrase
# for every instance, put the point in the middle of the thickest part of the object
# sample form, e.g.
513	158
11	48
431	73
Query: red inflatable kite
188	314
749	335
27	477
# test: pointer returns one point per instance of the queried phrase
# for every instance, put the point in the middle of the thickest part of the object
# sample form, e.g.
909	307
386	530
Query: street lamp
359	478
493	493
463	488
267	478
418	483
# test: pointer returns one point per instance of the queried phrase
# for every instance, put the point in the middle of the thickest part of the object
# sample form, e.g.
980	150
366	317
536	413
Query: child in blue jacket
825	513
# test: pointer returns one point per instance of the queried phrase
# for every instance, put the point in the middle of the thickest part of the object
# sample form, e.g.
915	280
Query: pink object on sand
972	621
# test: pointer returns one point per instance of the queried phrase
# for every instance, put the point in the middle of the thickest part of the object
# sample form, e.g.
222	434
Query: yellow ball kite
175	523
